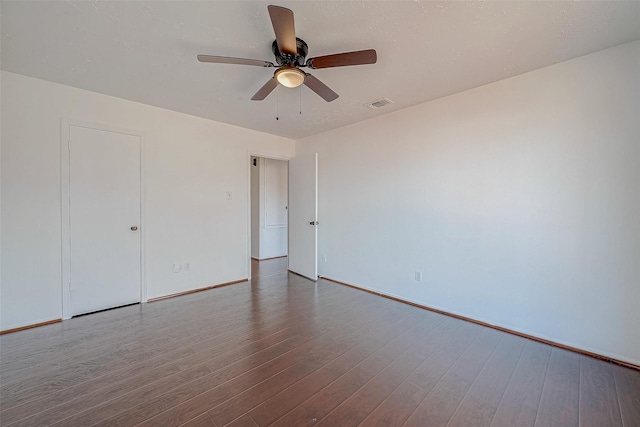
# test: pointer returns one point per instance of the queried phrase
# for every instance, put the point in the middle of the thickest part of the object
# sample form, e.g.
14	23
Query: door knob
314	223
134	228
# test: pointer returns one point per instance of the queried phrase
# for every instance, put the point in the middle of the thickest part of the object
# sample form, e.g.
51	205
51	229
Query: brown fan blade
320	88
359	57
284	27
265	90
229	60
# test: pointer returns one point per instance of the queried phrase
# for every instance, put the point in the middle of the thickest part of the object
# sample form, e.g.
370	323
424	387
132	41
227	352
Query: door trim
65	135
256	153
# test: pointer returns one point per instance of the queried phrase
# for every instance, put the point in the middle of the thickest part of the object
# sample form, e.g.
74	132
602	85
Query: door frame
65	135
256	153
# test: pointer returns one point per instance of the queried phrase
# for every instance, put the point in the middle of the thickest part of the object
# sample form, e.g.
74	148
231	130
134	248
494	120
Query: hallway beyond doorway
269	267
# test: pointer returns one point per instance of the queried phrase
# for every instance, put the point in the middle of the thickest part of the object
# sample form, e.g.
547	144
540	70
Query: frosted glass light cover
290	77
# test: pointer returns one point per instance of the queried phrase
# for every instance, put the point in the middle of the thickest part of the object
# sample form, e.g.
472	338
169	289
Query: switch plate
187	266
418	276
177	267
324	258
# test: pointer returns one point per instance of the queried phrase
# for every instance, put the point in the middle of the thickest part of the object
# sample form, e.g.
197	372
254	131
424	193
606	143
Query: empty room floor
282	350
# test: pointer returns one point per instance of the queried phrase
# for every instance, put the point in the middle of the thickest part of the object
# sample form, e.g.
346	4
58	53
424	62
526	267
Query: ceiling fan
291	53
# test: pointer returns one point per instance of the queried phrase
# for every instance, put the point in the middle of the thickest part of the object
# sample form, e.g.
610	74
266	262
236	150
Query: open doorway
269	209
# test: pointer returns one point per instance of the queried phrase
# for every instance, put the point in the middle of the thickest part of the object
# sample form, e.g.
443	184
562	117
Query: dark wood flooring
281	350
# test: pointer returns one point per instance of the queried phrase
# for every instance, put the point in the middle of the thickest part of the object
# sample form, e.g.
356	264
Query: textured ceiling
146	51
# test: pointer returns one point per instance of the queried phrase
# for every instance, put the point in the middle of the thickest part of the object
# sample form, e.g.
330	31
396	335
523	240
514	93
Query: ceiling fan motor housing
289	60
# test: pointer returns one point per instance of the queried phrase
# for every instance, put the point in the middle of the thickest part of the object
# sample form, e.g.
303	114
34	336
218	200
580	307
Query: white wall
189	165
269	196
519	201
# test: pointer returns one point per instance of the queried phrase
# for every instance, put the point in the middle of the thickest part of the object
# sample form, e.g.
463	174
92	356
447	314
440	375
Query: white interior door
104	219
303	215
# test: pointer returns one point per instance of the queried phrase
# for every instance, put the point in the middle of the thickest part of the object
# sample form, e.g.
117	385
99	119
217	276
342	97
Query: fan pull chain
300	92
278	102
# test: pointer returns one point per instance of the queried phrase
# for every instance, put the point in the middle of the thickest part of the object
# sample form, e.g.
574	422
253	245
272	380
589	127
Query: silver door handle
134	228
314	223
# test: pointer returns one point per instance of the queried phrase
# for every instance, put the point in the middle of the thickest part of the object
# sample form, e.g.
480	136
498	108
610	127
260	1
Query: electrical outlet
418	276
229	195
177	267
324	258
187	266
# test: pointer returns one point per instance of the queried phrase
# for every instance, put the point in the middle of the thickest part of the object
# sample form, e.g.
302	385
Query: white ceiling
146	51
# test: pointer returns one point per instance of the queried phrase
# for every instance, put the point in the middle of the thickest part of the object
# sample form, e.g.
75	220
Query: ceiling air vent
379	103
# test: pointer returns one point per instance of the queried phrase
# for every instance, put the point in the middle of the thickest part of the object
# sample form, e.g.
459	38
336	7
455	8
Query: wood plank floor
282	350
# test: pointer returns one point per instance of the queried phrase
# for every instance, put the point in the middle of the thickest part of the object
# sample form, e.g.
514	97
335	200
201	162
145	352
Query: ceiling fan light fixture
291	53
290	76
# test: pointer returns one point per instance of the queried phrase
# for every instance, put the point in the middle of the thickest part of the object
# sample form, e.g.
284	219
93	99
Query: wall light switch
187	266
418	276
177	267
229	195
